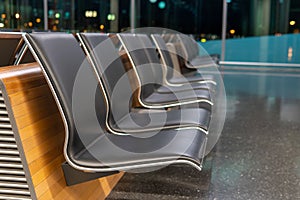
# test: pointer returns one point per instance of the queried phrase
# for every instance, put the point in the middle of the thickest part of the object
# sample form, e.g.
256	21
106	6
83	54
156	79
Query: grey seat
112	75
90	146
196	80
181	59
191	53
147	67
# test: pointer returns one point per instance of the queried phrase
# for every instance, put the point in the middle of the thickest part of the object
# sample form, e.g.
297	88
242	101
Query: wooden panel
42	135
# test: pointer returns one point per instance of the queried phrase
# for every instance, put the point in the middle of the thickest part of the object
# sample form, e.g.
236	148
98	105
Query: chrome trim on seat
22	53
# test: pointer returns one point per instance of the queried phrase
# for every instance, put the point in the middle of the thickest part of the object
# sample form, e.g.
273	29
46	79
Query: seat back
145	60
169	37
165	55
189	46
111	73
64	66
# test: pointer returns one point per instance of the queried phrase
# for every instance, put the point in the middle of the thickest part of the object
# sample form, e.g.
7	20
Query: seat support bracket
74	176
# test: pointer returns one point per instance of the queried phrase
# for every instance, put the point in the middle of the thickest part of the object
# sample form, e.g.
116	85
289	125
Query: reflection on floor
257	156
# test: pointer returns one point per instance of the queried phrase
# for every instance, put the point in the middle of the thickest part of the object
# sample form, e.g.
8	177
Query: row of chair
122	116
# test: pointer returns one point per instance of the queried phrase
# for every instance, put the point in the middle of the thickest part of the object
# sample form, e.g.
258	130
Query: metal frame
21	54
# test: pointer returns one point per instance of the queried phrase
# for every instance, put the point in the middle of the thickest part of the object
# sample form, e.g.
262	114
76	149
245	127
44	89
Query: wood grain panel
42	135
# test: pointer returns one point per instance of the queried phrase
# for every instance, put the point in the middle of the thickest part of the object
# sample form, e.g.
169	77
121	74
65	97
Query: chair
191	53
171	78
211	73
148	69
116	84
89	145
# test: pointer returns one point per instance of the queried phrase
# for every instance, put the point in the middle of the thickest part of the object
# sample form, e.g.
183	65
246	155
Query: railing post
45	14
132	14
224	27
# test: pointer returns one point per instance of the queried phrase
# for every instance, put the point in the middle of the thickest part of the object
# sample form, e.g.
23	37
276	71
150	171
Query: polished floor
257	156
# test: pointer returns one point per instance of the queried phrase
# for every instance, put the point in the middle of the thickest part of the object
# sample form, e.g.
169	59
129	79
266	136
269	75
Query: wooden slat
48	186
42	135
41	126
22	110
19	98
32	146
37	164
44	172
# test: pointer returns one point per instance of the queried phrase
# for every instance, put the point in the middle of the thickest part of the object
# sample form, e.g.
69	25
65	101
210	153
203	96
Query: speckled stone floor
257	156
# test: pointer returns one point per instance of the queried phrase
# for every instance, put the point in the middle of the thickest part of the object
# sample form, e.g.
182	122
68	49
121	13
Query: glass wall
263	17
263	31
188	16
197	17
21	15
257	30
61	15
